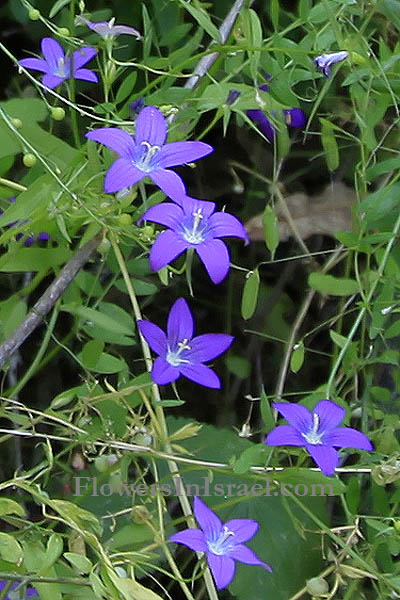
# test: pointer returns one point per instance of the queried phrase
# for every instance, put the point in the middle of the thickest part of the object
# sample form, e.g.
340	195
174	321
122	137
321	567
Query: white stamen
219	546
313	437
193	235
173	356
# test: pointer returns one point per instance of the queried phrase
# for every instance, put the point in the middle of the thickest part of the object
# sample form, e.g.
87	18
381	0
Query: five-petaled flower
147	154
57	67
194	224
179	353
221	542
107	29
13	595
318	432
325	62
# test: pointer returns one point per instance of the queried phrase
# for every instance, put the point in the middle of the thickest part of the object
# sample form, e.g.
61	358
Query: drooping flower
147	154
107	29
221	542
318	432
58	67
12	595
30	239
325	62
179	353
194	224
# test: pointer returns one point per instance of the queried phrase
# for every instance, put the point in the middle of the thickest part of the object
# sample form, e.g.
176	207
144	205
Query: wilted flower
135	107
222	543
147	154
12	595
107	29
57	67
325	62
194	224
179	353
318	432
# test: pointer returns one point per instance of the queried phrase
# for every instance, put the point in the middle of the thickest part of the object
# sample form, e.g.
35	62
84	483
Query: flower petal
151	127
244	529
81	57
215	257
117	139
52	81
330	415
86	75
285	435
347	437
181	153
167	246
164	373
209	522
166	213
125	29
169	182
180	323
52	52
120	175
201	374
208	346
296	414
225	225
192	538
295	117
191	205
36	64
154	336
222	568
247	556
263	123
326	457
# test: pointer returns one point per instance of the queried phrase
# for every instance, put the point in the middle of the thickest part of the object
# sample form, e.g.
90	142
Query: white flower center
312	436
174	358
194	231
145	155
61	68
222	544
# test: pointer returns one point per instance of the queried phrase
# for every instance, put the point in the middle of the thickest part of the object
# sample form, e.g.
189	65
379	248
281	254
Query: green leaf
107	363
91	353
80	562
266	411
393	330
10	507
297	357
200	15
10	549
114	415
250	294
329	145
25	260
57	6
271	229
333	286
99	318
54	549
255	455
126	87
337	339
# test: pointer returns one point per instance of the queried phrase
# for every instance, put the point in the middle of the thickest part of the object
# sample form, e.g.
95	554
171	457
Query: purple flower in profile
221	542
194	224
107	29
57	67
29	591
147	154
318	432
179	353
324	62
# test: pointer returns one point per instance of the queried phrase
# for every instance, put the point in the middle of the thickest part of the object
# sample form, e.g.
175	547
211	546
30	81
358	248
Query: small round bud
125	219
34	14
140	514
317	587
17	123
101	464
57	113
29	160
147	231
104	246
64	31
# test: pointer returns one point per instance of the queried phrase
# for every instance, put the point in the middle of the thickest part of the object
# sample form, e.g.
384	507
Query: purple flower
30	239
57	67
222	543
179	353
318	432
30	591
194	224
107	29
147	154
325	62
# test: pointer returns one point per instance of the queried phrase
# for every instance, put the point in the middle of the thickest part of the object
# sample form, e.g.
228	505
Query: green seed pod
317	587
64	31
140	514
17	123
57	113
34	14
125	219
29	160
104	246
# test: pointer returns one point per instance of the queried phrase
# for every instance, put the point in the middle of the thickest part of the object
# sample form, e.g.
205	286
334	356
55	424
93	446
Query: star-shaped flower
57	67
325	62
222	543
194	224
147	154
318	432
179	353
107	29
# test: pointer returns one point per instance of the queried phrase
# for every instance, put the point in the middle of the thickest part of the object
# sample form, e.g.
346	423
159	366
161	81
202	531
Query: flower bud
29	160
125	219
57	113
17	123
317	587
64	31
34	14
140	514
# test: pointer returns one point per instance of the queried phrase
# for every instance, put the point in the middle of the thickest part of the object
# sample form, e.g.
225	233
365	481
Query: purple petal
263	123
169	182
215	257
296	414
86	75
167	213
191	205
222	568
285	435
247	556
52	52
31	592
326	457
226	225
36	64
330	415
125	29
347	437
52	81
167	246
29	241
244	529
295	117
180	323
201	374
209	522
181	153
208	346
81	57
164	373
43	236
120	175
151	127
117	139
192	538
154	336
